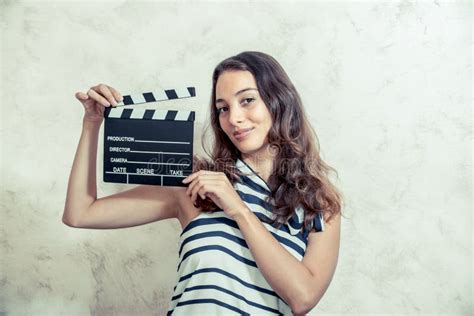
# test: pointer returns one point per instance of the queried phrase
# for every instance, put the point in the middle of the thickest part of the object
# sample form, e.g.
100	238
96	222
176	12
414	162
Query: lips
241	134
241	131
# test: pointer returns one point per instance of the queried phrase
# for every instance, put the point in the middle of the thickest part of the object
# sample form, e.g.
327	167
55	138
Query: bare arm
82	187
140	205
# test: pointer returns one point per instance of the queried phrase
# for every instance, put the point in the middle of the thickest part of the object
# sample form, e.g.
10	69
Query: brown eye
248	100
219	110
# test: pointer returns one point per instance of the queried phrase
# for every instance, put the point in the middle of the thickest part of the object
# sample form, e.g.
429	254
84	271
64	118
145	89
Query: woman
261	220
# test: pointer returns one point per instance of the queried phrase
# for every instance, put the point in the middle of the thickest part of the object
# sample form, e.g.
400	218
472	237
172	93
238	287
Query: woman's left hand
218	188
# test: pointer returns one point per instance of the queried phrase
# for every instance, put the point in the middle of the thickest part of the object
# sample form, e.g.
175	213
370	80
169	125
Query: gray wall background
387	85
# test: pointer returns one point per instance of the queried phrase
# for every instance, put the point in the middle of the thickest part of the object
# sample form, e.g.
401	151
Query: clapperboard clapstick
148	146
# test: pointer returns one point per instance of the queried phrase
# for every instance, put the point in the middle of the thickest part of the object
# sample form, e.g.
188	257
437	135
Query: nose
236	116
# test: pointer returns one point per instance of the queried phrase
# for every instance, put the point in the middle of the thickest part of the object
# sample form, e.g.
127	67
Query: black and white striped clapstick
149	146
150	114
160	95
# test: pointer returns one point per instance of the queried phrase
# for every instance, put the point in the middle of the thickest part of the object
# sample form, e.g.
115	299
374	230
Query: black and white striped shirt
217	274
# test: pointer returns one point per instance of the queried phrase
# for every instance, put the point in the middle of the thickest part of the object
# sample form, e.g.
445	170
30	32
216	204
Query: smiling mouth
243	135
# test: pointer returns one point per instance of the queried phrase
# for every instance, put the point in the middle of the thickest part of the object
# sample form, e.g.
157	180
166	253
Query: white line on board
140	174
156	152
162	142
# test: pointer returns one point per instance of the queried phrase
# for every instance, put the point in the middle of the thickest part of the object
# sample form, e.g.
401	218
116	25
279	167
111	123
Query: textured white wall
388	89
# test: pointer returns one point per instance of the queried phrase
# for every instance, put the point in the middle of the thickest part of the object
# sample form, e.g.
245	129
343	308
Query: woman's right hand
96	100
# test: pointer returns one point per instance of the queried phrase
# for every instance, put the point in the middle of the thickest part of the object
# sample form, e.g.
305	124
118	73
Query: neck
261	163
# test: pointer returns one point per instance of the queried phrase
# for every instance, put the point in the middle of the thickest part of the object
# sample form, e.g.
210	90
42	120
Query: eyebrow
237	93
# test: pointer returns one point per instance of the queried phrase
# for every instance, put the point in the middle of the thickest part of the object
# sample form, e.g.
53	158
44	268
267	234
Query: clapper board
149	146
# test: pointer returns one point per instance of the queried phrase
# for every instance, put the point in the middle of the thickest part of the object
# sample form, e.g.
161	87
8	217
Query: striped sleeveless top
217	274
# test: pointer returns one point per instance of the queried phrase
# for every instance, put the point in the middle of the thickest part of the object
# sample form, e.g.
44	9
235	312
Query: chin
248	149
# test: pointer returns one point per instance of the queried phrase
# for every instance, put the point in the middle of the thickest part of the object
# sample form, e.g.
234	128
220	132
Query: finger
209	190
100	99
197	174
204	177
107	93
196	192
203	173
205	191
81	96
191	186
204	187
117	95
190	177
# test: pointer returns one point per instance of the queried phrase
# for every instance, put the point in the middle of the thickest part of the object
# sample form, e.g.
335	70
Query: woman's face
241	109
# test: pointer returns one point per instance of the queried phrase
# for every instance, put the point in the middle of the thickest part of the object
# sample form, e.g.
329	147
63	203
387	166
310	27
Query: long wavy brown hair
300	177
